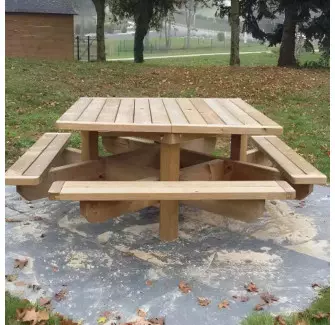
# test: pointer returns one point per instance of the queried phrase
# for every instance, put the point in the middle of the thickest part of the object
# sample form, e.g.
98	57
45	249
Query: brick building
40	29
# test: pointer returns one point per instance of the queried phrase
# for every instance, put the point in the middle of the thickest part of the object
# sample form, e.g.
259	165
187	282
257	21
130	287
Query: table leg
89	145
169	210
238	147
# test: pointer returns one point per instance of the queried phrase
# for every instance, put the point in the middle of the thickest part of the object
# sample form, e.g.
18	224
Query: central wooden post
89	145
238	147
169	210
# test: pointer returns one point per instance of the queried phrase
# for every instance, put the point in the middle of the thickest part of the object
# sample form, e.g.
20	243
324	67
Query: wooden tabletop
167	115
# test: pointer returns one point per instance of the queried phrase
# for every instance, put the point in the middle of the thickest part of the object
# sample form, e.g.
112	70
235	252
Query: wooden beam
244	210
89	145
169	210
302	190
238	147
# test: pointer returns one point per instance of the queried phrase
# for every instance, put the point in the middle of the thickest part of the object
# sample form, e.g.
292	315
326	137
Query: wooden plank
89	145
142	111
119	145
253	112
169	210
76	109
238	112
28	158
206	112
302	190
125	113
238	147
299	161
71	155
174	190
43	162
55	189
208	171
109	111
222	112
158	111
191	113
93	110
174	111
284	164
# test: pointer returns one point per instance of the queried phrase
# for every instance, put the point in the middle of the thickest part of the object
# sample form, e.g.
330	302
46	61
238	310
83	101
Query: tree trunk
100	30
287	46
235	33
143	17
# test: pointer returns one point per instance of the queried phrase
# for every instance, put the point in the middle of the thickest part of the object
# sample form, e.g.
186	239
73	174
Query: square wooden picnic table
164	172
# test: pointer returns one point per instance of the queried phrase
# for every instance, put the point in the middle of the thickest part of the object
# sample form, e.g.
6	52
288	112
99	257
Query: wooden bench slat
295	168
171	190
25	161
31	167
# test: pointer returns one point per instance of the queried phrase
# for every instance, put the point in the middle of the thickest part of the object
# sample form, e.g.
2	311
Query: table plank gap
158	111
176	115
93	110
206	112
142	111
109	111
126	111
222	112
74	112
191	113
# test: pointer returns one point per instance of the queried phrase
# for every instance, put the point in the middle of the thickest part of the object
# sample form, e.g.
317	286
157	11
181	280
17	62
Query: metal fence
85	48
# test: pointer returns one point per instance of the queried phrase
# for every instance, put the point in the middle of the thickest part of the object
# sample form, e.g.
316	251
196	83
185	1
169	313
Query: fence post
88	49
78	53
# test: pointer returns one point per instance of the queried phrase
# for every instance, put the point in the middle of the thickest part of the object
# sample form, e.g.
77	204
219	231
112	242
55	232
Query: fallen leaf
32	315
12	220
20	283
202	301
184	287
315	285
259	307
241	298
301	322
223	304
321	315
60	295
279	320
141	313
157	321
44	301
102	320
69	322
20	263
251	287
11	277
148	283
268	298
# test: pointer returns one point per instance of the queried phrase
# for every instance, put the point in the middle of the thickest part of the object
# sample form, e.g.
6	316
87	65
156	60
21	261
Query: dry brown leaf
223	304
268	298
241	298
68	322
141	313
157	321
279	320
301	322
32	315
44	301
148	283
202	301
314	285
20	283
184	287
251	287
259	307
60	295
11	277
12	220
321	315
20	263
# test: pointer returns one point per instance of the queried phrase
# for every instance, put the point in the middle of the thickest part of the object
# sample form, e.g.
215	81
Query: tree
100	29
235	33
190	8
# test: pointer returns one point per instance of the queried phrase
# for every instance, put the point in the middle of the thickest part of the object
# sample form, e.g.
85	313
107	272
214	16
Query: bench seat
295	169
170	190
32	166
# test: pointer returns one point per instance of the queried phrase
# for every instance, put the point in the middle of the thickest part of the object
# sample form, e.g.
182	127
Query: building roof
63	7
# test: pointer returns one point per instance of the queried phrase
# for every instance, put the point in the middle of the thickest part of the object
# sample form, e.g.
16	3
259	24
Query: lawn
38	92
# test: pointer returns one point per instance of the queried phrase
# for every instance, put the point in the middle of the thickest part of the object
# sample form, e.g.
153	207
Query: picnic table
161	155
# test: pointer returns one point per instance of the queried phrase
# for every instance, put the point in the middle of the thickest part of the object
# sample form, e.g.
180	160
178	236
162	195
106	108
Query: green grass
38	92
321	304
13	303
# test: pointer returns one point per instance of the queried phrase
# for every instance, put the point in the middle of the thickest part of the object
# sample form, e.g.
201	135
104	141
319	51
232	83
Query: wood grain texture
238	147
89	145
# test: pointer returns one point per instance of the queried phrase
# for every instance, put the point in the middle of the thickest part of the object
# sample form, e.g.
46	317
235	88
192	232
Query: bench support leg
169	210
238	147
89	145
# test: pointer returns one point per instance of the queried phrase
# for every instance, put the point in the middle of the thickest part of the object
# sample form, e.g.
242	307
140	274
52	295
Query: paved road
186	55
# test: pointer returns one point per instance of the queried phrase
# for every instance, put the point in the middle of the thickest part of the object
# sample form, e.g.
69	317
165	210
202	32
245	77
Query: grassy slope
38	92
322	304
